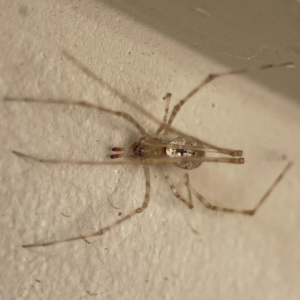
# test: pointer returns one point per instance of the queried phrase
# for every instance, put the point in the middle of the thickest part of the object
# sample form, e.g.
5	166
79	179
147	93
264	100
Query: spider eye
138	151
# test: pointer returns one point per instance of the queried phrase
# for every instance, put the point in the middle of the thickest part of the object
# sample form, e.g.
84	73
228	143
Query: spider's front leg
108	228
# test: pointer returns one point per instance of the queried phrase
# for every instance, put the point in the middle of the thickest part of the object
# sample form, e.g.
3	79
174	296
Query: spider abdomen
186	148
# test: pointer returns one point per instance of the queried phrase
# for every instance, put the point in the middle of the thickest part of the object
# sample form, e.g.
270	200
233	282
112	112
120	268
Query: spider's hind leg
249	212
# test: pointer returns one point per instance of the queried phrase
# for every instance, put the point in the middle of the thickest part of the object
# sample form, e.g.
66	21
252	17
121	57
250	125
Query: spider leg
165	118
82	104
104	229
187	182
188	203
250	212
104	83
208	79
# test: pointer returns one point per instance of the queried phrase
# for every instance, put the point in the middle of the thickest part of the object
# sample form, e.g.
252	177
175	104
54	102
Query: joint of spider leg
249	212
210	77
189	205
103	230
168	95
140	209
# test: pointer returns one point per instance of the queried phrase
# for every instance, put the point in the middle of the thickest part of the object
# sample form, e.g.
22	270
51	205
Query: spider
185	152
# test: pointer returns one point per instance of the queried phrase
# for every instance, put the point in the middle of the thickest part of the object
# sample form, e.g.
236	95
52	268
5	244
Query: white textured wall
145	51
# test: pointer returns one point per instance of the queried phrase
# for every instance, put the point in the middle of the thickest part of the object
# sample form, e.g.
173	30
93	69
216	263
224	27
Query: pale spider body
148	147
184	151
